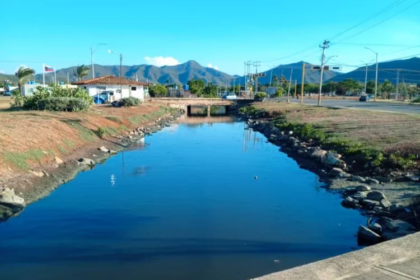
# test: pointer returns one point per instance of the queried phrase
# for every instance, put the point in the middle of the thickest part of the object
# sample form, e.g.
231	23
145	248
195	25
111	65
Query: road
380	106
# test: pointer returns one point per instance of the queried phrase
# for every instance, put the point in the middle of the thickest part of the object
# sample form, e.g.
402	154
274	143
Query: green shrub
260	95
130	101
417	100
63	104
101	132
58	99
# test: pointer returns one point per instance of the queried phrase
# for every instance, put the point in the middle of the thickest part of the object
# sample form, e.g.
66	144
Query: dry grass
5	102
390	132
29	138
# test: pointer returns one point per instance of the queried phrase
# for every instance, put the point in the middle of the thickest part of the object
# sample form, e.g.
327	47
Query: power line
394	4
376	24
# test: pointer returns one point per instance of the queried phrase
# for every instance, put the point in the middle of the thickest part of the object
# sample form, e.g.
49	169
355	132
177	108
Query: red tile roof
109	80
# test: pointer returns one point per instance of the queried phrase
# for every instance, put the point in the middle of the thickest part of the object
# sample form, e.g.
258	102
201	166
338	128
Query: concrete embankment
396	259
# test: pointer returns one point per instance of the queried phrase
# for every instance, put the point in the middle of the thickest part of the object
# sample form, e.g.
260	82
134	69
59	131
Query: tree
210	90
370	87
196	86
386	89
275	81
330	87
23	74
158	90
80	72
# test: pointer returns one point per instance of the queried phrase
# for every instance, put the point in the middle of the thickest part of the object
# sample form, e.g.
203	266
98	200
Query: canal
196	201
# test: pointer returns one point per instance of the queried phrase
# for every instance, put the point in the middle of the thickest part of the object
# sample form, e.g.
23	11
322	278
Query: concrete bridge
203	106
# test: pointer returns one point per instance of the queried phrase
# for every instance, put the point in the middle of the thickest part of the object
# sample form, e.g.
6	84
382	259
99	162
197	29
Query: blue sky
221	33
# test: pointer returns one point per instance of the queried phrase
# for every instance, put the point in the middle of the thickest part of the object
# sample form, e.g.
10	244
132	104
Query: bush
130	101
63	104
101	132
158	90
417	100
58	99
260	95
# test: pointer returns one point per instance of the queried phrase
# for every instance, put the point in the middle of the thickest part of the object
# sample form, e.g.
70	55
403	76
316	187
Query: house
111	88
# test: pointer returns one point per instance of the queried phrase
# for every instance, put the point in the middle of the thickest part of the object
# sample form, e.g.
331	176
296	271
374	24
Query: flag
48	69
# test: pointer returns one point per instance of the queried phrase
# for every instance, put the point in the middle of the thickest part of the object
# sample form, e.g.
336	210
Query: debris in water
255	177
276	261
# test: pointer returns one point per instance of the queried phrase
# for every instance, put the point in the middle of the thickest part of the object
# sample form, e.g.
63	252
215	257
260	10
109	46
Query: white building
113	88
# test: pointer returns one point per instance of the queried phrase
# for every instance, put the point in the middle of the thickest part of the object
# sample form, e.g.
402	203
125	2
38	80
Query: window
133	88
84	87
118	91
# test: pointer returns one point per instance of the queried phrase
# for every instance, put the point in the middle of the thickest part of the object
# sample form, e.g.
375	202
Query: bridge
202	106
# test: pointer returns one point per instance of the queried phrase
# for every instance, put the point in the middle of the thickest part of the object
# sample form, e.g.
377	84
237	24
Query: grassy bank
385	140
32	138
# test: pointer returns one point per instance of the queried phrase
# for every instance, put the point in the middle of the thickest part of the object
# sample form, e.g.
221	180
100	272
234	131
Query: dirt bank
41	150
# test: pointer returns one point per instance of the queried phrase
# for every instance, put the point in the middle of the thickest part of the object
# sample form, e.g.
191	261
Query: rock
370	203
103	149
86	161
363	188
46	174
112	151
349	202
37	174
358	179
385	180
398	225
385	203
360	196
10	199
318	154
376	228
366	234
291	132
414	178
375	195
332	159
389	235
397	207
371	181
58	160
338	173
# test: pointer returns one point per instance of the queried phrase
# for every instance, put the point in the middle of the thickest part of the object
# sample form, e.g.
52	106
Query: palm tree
80	72
23	74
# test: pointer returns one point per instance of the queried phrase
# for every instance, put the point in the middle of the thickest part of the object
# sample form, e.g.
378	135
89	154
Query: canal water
185	205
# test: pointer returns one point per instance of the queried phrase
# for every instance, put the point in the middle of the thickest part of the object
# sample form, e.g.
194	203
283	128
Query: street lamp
121	59
366	75
91	58
376	76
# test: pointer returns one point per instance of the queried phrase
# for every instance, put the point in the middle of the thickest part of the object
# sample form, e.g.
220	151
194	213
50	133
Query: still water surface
183	206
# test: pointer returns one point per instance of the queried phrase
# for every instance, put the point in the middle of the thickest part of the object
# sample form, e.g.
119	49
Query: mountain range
409	71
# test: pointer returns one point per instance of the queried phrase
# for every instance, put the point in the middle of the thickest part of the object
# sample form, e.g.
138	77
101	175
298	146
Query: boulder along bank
28	187
389	202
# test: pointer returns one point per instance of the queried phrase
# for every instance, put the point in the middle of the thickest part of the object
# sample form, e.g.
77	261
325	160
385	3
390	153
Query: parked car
230	96
364	98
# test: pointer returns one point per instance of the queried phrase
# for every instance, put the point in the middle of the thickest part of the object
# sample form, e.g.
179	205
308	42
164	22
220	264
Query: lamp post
376	75
92	51
121	59
366	75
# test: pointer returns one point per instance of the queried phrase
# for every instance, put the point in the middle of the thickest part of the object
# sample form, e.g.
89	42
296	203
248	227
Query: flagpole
43	74
55	78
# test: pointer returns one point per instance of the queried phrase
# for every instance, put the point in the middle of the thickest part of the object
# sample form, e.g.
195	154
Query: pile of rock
10	203
384	229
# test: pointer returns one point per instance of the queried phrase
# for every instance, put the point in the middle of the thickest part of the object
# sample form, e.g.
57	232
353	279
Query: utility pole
68	78
324	46
256	64
295	88
366	77
91	61
290	84
121	60
398	83
302	87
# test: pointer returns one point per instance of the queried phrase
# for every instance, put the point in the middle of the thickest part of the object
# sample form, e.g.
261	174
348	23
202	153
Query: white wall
126	91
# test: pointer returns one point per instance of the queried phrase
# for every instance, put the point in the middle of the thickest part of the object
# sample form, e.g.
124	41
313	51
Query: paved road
381	106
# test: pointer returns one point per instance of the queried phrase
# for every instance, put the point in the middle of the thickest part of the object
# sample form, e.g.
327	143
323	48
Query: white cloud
213	67
161	61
